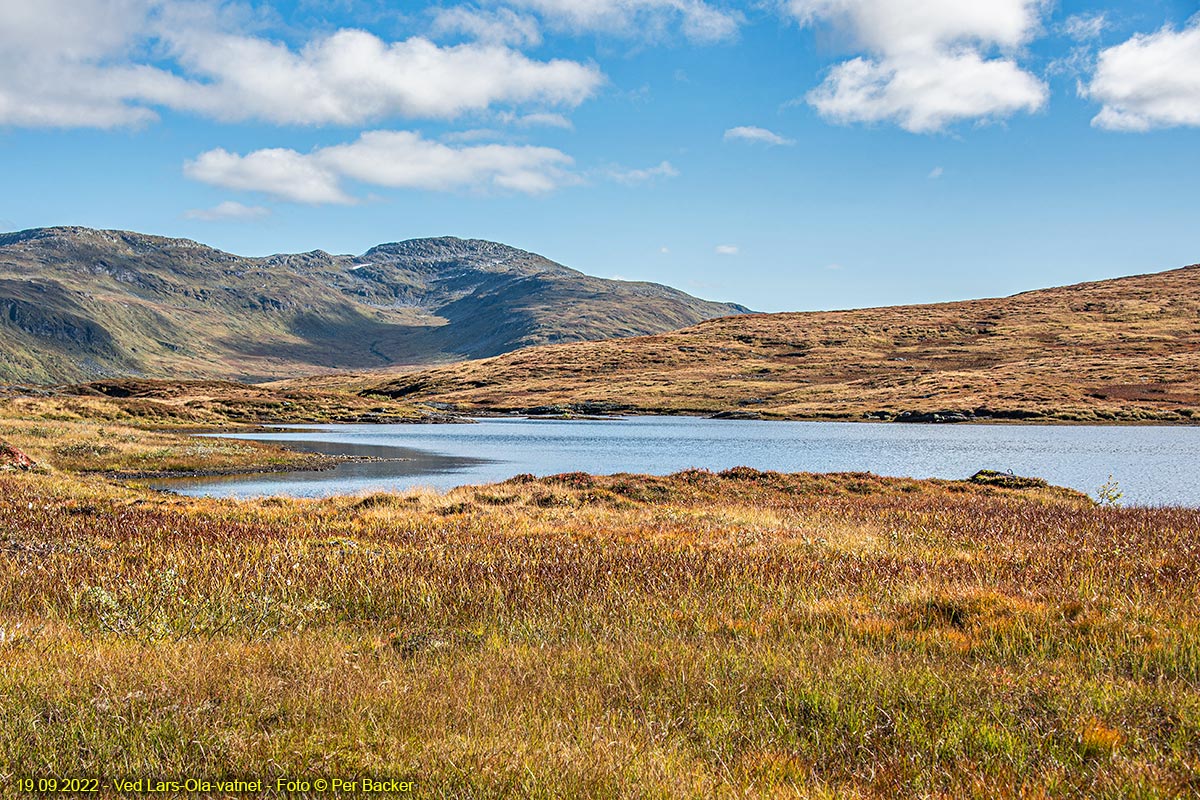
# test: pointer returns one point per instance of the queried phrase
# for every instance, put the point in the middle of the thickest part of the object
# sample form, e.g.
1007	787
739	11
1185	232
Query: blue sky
784	154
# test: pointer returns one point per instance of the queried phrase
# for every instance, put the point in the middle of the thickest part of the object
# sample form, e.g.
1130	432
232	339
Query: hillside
78	304
1124	349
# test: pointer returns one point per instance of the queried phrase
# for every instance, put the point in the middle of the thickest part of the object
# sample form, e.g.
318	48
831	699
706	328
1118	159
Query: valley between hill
80	304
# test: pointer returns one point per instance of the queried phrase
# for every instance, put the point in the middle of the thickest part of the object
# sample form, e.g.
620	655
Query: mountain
1126	349
77	304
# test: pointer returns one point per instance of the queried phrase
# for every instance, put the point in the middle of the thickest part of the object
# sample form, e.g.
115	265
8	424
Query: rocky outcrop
13	459
952	415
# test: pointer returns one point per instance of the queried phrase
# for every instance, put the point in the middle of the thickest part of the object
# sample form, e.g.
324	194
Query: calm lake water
1153	465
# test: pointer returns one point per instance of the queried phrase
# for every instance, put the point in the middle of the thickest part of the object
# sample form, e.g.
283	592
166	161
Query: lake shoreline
1082	457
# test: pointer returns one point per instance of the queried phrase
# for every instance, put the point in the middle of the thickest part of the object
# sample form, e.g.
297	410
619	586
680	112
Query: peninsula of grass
140	428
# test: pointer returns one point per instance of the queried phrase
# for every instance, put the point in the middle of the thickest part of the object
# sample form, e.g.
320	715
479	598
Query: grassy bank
740	634
141	427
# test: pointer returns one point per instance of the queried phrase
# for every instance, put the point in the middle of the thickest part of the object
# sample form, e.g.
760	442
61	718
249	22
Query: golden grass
734	634
138	427
1121	350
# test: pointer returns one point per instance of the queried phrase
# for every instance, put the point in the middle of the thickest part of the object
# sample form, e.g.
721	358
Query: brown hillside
1125	349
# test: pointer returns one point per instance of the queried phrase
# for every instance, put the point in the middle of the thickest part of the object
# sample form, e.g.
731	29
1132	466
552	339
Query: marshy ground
733	634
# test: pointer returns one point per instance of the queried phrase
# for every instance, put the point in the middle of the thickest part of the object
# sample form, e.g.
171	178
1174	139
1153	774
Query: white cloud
279	172
925	94
700	21
352	76
634	176
935	173
911	25
726	250
228	210
1150	81
497	26
752	133
107	63
664	250
1085	27
392	159
928	62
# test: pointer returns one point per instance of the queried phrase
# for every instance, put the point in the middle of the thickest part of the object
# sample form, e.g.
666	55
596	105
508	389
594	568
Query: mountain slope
77	303
1124	349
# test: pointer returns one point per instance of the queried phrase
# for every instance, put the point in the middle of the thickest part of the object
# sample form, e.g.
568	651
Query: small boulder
11	458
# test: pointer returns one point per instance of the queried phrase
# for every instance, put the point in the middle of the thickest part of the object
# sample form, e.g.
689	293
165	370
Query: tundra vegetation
1123	350
741	633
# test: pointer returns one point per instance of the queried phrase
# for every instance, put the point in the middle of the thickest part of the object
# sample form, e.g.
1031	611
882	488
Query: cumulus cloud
630	177
392	159
928	62
147	55
228	210
1150	81
700	21
753	133
353	76
726	250
924	94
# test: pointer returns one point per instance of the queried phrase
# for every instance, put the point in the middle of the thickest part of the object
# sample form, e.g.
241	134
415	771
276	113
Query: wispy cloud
495	26
635	176
1085	27
935	173
753	133
699	21
726	250
228	210
543	119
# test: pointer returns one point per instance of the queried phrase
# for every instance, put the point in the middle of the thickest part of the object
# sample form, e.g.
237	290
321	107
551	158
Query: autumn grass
134	427
71	442
1125	350
741	633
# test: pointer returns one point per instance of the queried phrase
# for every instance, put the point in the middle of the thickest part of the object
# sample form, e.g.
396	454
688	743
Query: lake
1154	465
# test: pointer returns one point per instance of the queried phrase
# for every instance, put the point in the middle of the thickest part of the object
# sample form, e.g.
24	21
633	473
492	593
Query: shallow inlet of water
1154	465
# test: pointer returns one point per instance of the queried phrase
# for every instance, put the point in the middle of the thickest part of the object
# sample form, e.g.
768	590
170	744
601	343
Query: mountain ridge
80	303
